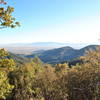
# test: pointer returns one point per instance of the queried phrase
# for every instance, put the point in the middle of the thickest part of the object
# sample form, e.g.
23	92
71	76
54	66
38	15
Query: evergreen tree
6	18
6	65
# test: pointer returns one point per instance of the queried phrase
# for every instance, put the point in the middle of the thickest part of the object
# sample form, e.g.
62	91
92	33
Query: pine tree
6	18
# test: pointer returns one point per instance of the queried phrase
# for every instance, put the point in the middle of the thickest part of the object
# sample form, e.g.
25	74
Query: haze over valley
49	49
29	48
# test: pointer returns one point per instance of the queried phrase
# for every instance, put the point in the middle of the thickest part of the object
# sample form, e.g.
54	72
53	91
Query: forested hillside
59	55
49	75
38	81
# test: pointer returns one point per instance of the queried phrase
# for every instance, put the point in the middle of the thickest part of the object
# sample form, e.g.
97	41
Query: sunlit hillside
49	50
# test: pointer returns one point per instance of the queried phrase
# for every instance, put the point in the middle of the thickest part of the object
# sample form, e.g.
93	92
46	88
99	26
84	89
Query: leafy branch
6	18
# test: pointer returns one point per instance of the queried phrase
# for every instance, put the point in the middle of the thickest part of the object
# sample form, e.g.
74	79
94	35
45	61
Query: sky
65	21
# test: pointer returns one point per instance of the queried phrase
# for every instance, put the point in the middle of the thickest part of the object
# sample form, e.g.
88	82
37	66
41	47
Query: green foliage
3	53
83	83
43	82
6	18
5	63
37	61
92	57
61	69
5	67
5	87
37	64
48	85
22	79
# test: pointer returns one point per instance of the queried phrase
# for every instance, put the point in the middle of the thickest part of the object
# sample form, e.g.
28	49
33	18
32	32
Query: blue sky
68	21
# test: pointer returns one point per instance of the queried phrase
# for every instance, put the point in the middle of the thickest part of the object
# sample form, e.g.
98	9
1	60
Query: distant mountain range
29	48
62	54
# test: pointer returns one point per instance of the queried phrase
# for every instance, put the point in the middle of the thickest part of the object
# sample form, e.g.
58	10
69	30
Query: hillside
62	54
29	48
19	59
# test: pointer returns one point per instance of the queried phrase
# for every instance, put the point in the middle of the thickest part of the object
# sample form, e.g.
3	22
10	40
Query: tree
48	85
92	57
83	82
5	68
61	69
6	18
45	83
37	64
6	63
22	78
5	87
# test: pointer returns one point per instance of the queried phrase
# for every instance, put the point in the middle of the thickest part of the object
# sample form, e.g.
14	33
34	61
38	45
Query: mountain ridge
59	55
29	48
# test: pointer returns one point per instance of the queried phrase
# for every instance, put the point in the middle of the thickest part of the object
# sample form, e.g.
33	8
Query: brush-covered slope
19	59
62	54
